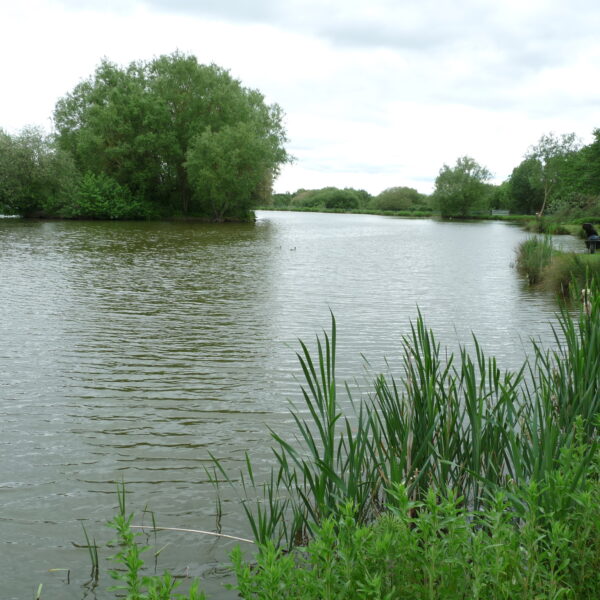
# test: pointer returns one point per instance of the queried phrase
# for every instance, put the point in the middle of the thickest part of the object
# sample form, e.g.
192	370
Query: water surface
129	351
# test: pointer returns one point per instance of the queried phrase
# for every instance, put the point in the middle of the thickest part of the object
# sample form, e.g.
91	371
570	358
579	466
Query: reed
453	424
93	552
533	255
439	550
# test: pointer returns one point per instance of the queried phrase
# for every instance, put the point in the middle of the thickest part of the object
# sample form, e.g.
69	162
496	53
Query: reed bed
533	256
454	425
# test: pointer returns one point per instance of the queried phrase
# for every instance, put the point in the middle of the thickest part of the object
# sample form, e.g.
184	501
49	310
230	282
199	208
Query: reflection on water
133	350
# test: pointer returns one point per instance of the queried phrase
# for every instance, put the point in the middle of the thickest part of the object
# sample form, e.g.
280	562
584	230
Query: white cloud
376	94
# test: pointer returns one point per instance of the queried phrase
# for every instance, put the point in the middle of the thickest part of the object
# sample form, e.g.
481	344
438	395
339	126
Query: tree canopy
400	199
164	130
462	189
35	177
548	158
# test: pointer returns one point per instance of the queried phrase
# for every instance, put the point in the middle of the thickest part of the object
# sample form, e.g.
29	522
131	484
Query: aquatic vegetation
455	425
456	480
533	256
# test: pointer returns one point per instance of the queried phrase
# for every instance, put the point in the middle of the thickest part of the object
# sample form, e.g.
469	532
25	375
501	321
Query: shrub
437	549
400	199
101	197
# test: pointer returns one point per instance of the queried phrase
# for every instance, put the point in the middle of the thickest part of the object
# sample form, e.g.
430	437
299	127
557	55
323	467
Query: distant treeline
557	176
168	137
396	199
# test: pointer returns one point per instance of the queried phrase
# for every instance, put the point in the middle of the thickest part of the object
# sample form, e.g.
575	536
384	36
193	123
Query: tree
551	153
35	177
524	192
137	125
400	198
227	167
462	189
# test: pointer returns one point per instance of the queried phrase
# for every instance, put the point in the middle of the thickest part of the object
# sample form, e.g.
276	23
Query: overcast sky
377	93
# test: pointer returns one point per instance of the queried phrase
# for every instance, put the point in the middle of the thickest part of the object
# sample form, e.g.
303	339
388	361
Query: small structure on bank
592	238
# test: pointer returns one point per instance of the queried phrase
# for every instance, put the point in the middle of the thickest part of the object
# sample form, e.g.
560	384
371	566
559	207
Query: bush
437	549
329	198
545	225
400	199
101	197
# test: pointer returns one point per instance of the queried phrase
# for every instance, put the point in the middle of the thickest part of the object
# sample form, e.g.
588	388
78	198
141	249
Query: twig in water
223	535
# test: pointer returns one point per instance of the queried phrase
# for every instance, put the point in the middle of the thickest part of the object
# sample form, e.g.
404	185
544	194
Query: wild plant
134	583
533	255
454	425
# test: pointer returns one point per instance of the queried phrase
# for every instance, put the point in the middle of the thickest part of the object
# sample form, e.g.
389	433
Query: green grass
558	272
570	270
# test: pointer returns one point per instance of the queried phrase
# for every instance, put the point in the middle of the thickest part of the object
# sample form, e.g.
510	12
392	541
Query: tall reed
454	424
533	255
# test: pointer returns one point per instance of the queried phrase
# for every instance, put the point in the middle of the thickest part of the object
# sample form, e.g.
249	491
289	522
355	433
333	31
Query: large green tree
138	124
461	190
227	168
526	195
552	156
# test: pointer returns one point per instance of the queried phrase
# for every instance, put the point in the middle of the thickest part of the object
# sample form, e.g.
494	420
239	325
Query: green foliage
551	161
533	256
400	199
333	198
330	198
459	426
133	583
499	196
438	549
35	177
226	168
101	197
141	125
570	269
281	200
526	196
461	190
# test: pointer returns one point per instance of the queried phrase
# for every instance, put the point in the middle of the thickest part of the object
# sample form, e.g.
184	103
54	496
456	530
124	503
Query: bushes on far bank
393	201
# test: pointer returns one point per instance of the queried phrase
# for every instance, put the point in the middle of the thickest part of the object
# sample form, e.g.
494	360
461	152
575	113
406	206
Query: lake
130	351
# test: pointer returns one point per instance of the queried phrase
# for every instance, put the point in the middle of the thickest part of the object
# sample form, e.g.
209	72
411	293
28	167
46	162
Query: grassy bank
553	270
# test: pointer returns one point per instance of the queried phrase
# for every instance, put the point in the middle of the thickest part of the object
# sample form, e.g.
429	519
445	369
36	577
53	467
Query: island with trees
163	138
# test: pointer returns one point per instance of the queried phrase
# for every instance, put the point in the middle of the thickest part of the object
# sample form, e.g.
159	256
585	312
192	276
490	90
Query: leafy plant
454	425
136	585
